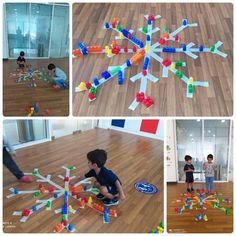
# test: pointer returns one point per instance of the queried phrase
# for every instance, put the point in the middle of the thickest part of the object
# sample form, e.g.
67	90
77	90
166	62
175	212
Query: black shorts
21	65
189	180
112	190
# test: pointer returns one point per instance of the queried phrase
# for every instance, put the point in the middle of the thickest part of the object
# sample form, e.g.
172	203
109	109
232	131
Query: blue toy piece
106	215
82	48
64	209
201	47
149	22
184	22
125	32
120	77
105	74
55	195
128	63
16	191
85	188
34	208
107	26
184	47
145	64
96	81
70	227
169	50
136	41
148	38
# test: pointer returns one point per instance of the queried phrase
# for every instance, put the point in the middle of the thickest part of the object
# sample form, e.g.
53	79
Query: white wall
171	163
132	126
64	127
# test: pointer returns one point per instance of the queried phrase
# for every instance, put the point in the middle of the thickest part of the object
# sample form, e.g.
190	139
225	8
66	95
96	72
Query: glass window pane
189	142
17	24
216	142
60	35
40	27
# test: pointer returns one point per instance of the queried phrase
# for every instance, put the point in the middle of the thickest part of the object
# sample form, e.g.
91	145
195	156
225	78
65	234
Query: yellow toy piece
190	80
82	86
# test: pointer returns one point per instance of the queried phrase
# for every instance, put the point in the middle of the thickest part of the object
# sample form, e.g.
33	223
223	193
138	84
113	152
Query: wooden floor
218	221
132	158
16	97
215	23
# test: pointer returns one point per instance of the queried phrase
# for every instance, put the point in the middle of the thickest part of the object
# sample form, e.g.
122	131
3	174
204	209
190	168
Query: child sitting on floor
59	76
189	169
21	60
107	182
209	167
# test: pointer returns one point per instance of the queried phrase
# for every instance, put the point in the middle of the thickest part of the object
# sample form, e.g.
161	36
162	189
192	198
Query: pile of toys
65	191
159	229
145	52
200	201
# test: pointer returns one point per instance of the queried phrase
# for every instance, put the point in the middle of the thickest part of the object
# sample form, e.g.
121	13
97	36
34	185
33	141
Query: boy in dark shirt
21	60
107	182
189	169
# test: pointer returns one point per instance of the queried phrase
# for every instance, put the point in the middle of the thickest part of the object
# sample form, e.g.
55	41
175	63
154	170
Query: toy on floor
200	201
31	75
64	192
159	229
32	109
145	52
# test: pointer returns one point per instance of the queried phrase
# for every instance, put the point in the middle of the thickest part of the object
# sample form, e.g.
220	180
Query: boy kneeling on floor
107	182
59	76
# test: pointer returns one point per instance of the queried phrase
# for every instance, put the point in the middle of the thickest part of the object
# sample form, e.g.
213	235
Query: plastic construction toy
65	192
31	76
32	109
145	51
159	229
200	201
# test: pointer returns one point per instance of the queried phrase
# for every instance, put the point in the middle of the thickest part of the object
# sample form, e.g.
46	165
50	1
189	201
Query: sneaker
110	202
26	179
188	190
100	196
192	189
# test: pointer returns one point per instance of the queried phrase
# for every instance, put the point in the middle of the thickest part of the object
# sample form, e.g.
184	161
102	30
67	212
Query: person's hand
121	197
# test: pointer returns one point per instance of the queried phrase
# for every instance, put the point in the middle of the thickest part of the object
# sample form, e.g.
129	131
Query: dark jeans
11	165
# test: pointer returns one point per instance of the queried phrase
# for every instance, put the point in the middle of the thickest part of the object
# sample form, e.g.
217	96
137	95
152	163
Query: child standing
107	182
59	76
189	169
209	167
21	60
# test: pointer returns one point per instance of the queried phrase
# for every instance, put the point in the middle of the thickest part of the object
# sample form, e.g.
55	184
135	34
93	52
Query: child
8	153
107	182
59	76
21	60
189	169
209	168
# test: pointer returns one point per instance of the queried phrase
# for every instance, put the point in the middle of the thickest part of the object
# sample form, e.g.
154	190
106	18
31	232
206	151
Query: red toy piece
51	189
65	223
151	17
161	41
125	49
134	49
140	97
91	96
66	179
88	85
148	102
78	196
166	62
25	212
177	37
40	186
144	72
85	199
